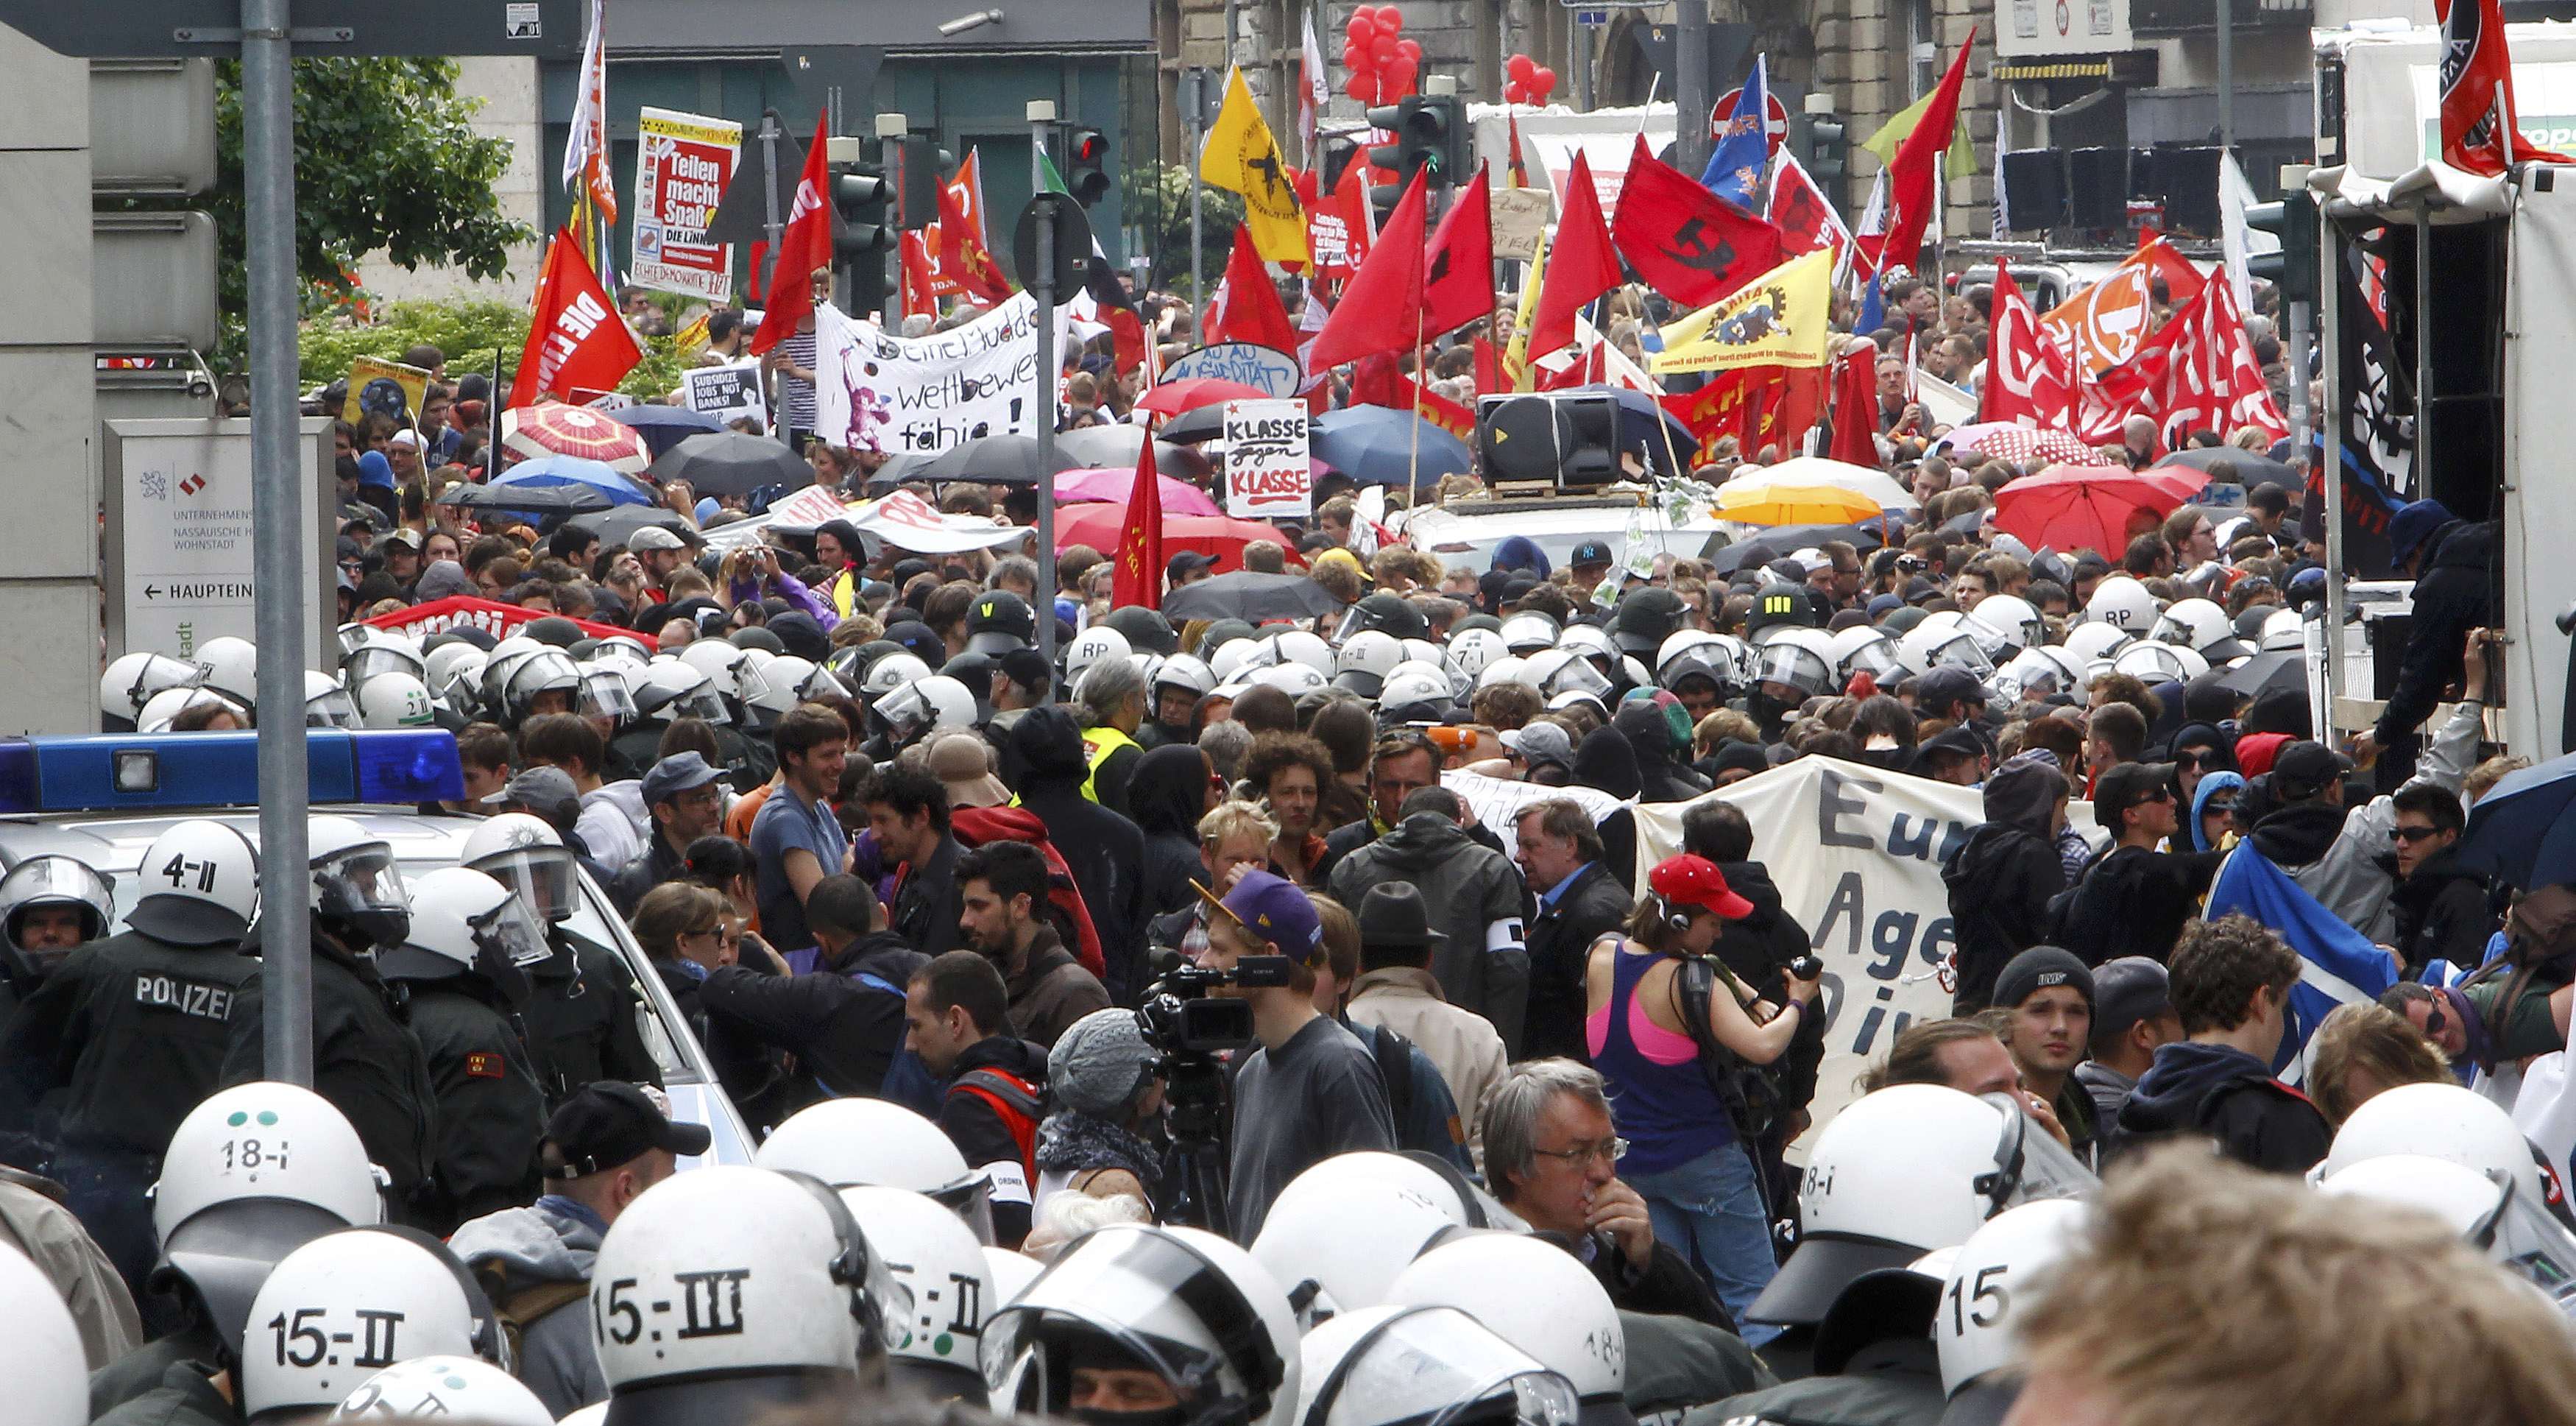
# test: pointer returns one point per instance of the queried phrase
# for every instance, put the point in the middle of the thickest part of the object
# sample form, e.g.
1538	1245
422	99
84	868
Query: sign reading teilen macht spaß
683	162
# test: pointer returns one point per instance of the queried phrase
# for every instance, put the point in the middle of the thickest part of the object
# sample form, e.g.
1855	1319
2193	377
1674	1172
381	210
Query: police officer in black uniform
50	906
125	1036
583	1015
366	1060
460	972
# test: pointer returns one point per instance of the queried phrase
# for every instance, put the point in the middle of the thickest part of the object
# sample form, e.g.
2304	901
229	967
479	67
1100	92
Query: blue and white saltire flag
1736	163
2342	964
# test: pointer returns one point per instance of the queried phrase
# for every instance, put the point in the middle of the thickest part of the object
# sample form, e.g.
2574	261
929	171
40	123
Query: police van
102	800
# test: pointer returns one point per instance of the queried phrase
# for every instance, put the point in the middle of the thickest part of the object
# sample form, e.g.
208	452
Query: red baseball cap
1695	881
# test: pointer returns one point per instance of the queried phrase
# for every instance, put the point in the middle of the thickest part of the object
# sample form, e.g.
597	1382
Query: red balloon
1400	72
1355	57
1410	49
1382	51
1514	94
1361	86
1543	79
1390	20
1363	25
1521	67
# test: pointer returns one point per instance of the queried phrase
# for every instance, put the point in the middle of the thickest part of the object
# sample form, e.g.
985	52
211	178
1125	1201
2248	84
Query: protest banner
1255	366
1856	852
1496	801
908	522
875	391
1267	473
384	388
727	393
682	164
465	611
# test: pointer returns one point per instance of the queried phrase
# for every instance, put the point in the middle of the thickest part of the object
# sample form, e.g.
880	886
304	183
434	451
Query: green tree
1157	199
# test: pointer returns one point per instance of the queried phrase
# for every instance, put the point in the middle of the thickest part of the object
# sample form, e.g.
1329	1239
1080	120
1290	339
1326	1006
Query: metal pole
2302	423
1579	45
2331	423
279	522
891	128
774	224
1194	84
1041	285
2419	469
2226	74
1691	97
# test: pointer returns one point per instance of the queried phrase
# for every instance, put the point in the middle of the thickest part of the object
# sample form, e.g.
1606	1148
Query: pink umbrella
551	428
1112	487
2012	441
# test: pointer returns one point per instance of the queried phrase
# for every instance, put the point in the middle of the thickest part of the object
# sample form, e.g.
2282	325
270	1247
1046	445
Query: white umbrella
1876	485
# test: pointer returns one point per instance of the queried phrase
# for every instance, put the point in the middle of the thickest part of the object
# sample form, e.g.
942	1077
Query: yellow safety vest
1098	745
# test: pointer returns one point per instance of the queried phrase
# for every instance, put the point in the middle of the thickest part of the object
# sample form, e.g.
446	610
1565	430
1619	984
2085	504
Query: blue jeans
1709	1211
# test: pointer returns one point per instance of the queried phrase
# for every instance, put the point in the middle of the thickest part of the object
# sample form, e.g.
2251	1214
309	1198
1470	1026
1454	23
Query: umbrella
2521	832
1880	489
2267	670
618	526
1116	446
666	426
537	502
1099	526
1085	487
551	428
1192	392
1374	445
2072	507
2011	441
1648	429
731	463
550	472
1775	503
1771	544
997	460
2252	469
1250	595
1204	424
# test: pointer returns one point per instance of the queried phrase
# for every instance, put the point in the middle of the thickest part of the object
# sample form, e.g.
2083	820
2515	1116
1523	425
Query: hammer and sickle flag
1241	157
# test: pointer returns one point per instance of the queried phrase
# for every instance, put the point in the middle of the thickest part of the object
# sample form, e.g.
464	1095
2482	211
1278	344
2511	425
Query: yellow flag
1240	156
1959	162
1516	357
1777	320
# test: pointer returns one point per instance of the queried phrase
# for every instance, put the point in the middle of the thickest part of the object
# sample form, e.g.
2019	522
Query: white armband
1505	935
1010	1181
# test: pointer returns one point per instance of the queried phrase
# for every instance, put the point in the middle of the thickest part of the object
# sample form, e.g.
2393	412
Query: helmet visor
374	659
1800	668
1150	1294
2029	1164
605	695
542	876
1878	659
1578	675
1437	1367
1962	651
331	708
2533	1245
56	881
514	932
700	702
360	879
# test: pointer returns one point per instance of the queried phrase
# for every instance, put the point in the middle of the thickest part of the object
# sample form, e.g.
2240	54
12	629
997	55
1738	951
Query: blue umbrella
2524	830
666	426
1374	445
1646	428
547	471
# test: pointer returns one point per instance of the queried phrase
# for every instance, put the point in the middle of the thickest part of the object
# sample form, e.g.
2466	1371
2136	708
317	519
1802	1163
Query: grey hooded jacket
1474	894
530	1247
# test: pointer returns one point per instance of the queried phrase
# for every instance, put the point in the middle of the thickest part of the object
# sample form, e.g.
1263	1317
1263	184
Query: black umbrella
996	460
899	468
666	426
1773	543
731	463
1250	595
1110	447
1204	423
2252	469
618	526
2520	830
541	502
2270	669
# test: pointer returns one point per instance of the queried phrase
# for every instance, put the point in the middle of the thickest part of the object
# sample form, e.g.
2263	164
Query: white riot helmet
1864	648
164	708
2003	624
1186	671
2442	1121
1683	641
2283	629
1423	1366
608	692
1942	640
540	673
849	1142
1561	671
891	672
466	922
771	689
1337	1251
1417	692
382	651
349	1304
2198	624
439	665
1235	659
199	885
1298	646
934	704
1011	1274
232	668
1474	651
1537	1297
444	1388
1590	640
721	662
253	1173
40	1355
2089	641
935	1257
1803	659
2123	603
1292	678
1185	1304
528	856
1989	1279
394	700
2487	1210
1528	632
1097	644
54	880
2030	674
1423	1175
462	691
355	883
1424	650
1903	1171
741	1289
2150	662
673	690
130	680
1510	668
326	703
1364	660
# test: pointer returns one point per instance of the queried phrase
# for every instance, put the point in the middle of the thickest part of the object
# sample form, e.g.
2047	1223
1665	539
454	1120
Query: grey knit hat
1099	1063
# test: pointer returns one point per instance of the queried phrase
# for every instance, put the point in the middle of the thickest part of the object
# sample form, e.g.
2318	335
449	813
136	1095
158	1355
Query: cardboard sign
1267	472
1255	366
682	164
875	391
388	388
1520	216
726	392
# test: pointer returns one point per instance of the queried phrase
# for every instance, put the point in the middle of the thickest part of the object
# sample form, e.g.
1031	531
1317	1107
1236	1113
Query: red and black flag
2478	114
1684	241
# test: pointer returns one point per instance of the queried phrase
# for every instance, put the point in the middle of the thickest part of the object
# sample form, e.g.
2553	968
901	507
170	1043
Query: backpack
519	1310
1016	1102
1750	1092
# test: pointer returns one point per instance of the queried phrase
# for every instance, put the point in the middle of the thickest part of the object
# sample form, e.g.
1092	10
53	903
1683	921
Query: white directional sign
181	567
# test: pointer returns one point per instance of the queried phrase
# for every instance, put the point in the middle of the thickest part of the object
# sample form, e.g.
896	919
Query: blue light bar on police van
143	771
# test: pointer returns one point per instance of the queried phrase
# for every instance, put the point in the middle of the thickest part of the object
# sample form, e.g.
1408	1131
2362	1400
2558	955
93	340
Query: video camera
1191	1029
1179	1017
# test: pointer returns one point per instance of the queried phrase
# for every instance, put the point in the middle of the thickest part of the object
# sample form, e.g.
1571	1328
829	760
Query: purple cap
1271	908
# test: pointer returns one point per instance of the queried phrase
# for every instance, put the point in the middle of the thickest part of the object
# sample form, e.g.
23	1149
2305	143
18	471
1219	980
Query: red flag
966	255
805	246
1910	186
1139	578
576	340
2481	128
1489	367
1686	244
1381	311
1580	264
1458	274
1806	219
1715	411
1247	307
1856	407
1394	388
2213	381
2029	379
1338	231
919	288
1373	382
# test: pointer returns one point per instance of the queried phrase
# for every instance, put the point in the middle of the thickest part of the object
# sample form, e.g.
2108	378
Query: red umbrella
1099	526
1190	393
2071	507
2014	442
1093	487
553	428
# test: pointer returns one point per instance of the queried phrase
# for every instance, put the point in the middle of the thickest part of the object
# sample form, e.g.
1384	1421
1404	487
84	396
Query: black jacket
367	1062
1104	851
984	1137
1665	1285
2228	1095
1559	936
581	1021
1758	949
2133	902
1999	882
750	1071
2460	590
123	1039
1650	737
661	862
2442	914
926	906
1166	798
1351	836
491	1116
842	1030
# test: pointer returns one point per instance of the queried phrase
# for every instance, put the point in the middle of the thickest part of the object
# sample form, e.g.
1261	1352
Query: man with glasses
1552	1159
2134	899
2441	907
684	797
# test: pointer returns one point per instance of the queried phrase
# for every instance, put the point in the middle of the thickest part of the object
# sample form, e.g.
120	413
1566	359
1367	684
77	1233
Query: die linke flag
2480	126
2030	380
965	253
1139	576
1686	242
576	340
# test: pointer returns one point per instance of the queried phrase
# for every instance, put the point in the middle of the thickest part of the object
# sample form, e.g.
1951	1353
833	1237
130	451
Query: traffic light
1828	156
861	235
1086	165
1431	137
2296	268
923	166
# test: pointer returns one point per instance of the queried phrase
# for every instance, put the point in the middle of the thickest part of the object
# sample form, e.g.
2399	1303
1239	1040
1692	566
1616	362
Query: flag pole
1413	461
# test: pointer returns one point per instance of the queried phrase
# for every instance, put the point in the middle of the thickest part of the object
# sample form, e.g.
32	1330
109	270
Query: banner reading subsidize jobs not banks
683	164
875	391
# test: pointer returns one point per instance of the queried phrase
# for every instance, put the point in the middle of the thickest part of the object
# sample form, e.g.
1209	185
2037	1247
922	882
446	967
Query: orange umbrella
1190	393
1100	527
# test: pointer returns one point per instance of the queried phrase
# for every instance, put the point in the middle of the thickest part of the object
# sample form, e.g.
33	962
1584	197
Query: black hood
2185	1077
2206	736
1168	791
1752	881
2299	834
1045	747
1606	760
2024	795
874	943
